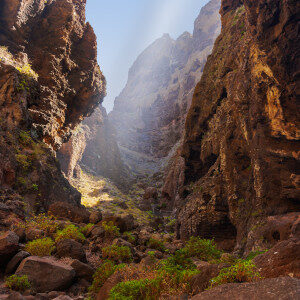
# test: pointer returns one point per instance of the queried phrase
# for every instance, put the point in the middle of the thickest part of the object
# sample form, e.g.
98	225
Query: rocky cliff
49	82
149	114
240	156
93	147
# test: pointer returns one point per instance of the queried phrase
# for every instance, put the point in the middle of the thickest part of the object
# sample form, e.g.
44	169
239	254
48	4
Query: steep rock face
149	114
49	80
94	146
240	152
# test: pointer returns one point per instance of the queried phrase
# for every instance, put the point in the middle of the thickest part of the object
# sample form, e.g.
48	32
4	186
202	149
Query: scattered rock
269	289
70	248
46	274
77	214
282	260
9	245
95	217
15	261
83	270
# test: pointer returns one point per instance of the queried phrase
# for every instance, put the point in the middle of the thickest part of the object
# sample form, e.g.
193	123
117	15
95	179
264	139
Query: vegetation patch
129	236
242	271
201	248
18	283
70	232
156	244
40	247
117	253
111	231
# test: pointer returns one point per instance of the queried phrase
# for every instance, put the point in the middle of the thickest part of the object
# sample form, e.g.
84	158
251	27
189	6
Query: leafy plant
242	271
25	138
26	69
253	254
43	222
156	244
117	253
70	232
18	283
201	248
129	237
111	230
40	247
84	230
24	161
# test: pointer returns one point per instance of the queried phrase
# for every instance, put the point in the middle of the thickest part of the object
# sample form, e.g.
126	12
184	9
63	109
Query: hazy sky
124	28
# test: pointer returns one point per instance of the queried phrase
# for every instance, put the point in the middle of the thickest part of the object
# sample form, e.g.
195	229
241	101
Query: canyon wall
240	156
49	82
149	113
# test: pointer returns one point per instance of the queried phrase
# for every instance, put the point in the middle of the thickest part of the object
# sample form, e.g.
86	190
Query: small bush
84	230
70	232
26	69
25	138
156	244
202	249
101	275
129	237
253	254
24	161
40	247
18	283
117	253
43	222
136	290
111	231
242	271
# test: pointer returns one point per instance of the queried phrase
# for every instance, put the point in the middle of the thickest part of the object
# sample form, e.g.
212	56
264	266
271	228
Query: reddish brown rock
70	248
269	289
9	246
241	133
281	260
46	274
77	214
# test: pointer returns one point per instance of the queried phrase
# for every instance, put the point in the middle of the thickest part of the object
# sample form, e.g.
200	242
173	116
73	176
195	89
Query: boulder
125	222
9	245
97	232
95	217
46	274
201	281
268	289
83	270
64	210
70	248
15	261
282	260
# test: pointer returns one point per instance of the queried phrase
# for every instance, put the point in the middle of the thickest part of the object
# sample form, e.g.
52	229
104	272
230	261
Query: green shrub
117	253
156	244
129	237
111	231
43	222
242	271
40	247
202	249
84	230
70	232
101	275
136	290
25	138
253	254
18	283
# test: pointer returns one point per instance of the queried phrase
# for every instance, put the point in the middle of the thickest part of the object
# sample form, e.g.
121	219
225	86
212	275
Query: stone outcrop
149	113
49	81
93	146
240	151
269	289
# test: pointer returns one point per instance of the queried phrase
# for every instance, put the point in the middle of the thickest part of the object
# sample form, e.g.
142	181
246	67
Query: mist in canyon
149	149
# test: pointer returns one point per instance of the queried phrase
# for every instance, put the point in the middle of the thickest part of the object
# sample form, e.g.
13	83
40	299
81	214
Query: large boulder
15	261
125	222
83	270
70	248
64	210
9	245
269	289
282	260
46	274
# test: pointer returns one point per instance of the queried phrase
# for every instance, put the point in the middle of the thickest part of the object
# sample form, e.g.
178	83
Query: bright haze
124	28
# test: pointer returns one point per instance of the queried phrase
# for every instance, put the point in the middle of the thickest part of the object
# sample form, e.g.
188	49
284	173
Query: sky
124	28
